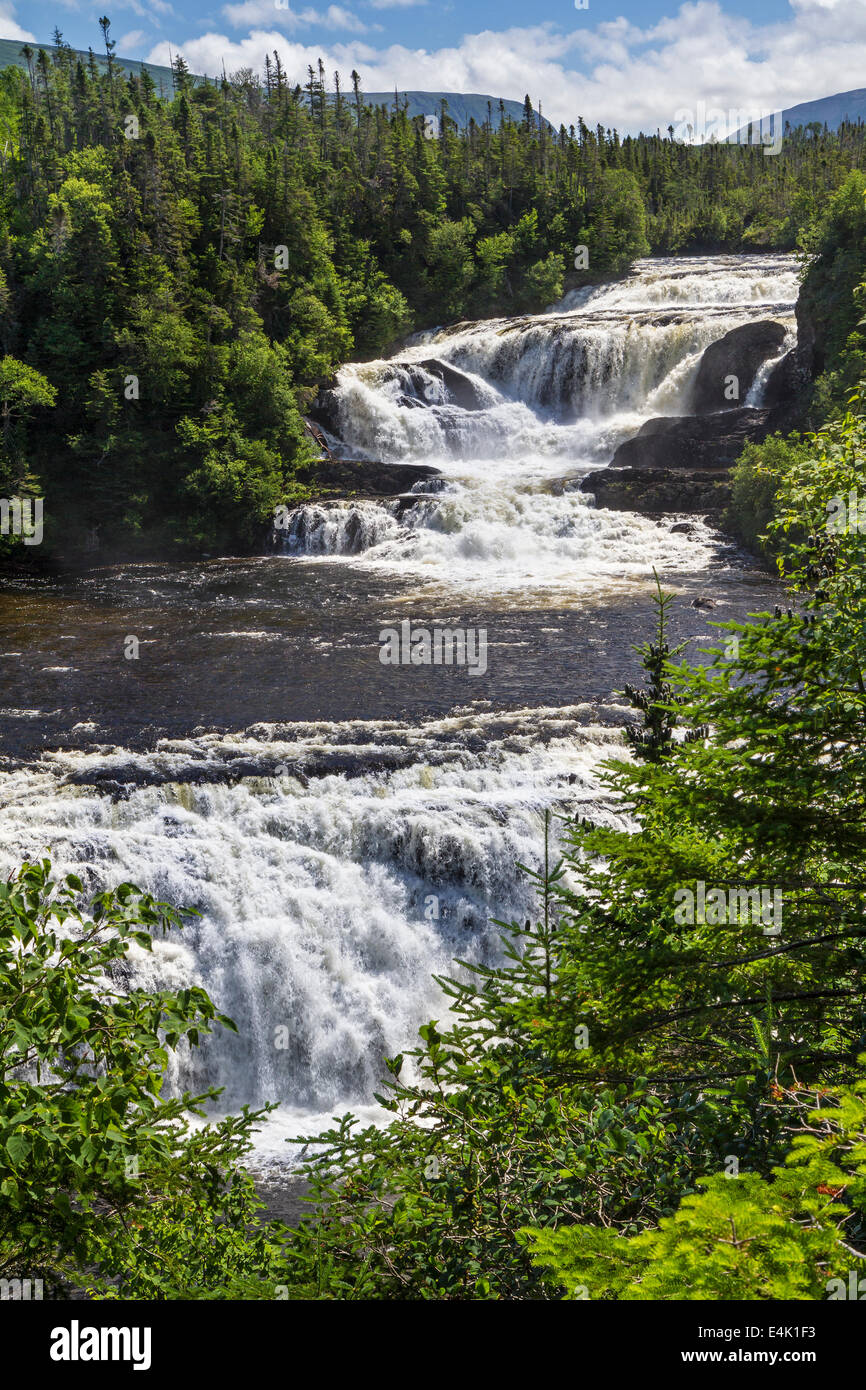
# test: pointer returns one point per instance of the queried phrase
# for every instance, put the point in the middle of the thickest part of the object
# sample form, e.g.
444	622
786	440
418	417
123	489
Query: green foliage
834	241
22	391
103	1185
792	1235
616	229
653	739
755	480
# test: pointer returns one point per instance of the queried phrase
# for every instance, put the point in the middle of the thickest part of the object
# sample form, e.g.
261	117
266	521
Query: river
343	826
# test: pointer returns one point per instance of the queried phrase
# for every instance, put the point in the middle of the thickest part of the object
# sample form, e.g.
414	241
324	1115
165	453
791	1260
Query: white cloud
336	17
819	5
9	28
613	72
267	11
149	10
395	4
129	41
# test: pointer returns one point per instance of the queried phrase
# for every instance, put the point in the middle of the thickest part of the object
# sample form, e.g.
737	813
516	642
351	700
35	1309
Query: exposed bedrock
678	463
739	354
367	478
694	441
658	491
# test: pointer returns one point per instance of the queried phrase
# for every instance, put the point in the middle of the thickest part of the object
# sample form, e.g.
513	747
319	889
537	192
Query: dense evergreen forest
178	278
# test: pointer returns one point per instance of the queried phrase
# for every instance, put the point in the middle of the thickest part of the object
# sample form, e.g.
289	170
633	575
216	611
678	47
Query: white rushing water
325	908
329	901
514	412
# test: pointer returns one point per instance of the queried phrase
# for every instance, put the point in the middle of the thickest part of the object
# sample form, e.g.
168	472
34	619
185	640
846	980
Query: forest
178	279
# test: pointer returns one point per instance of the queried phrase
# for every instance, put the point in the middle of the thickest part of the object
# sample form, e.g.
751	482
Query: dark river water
225	644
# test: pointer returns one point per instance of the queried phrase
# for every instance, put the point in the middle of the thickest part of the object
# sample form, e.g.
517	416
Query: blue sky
636	64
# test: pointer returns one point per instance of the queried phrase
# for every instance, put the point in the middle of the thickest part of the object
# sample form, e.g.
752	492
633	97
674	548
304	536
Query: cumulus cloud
264	12
269	12
129	41
613	72
9	28
335	17
149	10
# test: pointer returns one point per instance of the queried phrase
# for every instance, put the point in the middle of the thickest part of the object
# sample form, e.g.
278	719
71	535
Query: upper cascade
573	382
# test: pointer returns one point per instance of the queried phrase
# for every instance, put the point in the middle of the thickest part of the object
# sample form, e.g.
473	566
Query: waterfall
515	411
327	907
337	866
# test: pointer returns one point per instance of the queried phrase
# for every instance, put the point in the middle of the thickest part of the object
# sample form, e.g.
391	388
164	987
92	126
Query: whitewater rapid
327	903
339	863
515	412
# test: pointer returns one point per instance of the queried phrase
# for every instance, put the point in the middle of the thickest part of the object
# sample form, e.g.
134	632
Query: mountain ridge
462	106
830	111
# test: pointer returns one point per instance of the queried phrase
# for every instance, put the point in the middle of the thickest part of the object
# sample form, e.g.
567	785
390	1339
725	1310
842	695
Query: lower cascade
326	908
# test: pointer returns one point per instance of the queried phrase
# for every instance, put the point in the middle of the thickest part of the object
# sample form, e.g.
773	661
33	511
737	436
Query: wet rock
119	781
365	478
658	491
325	409
694	441
461	389
740	354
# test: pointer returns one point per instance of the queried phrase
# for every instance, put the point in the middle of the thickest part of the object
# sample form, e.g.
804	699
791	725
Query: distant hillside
462	107
844	106
830	111
11	56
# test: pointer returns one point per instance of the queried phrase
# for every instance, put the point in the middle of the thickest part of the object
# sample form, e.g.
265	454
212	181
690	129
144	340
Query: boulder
462	390
366	478
694	441
789	386
739	353
657	491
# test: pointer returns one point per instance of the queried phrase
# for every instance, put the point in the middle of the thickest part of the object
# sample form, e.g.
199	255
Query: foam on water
515	411
326	908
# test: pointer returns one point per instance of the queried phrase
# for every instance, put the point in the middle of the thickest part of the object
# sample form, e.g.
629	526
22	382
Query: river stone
694	441
740	353
366	478
658	491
